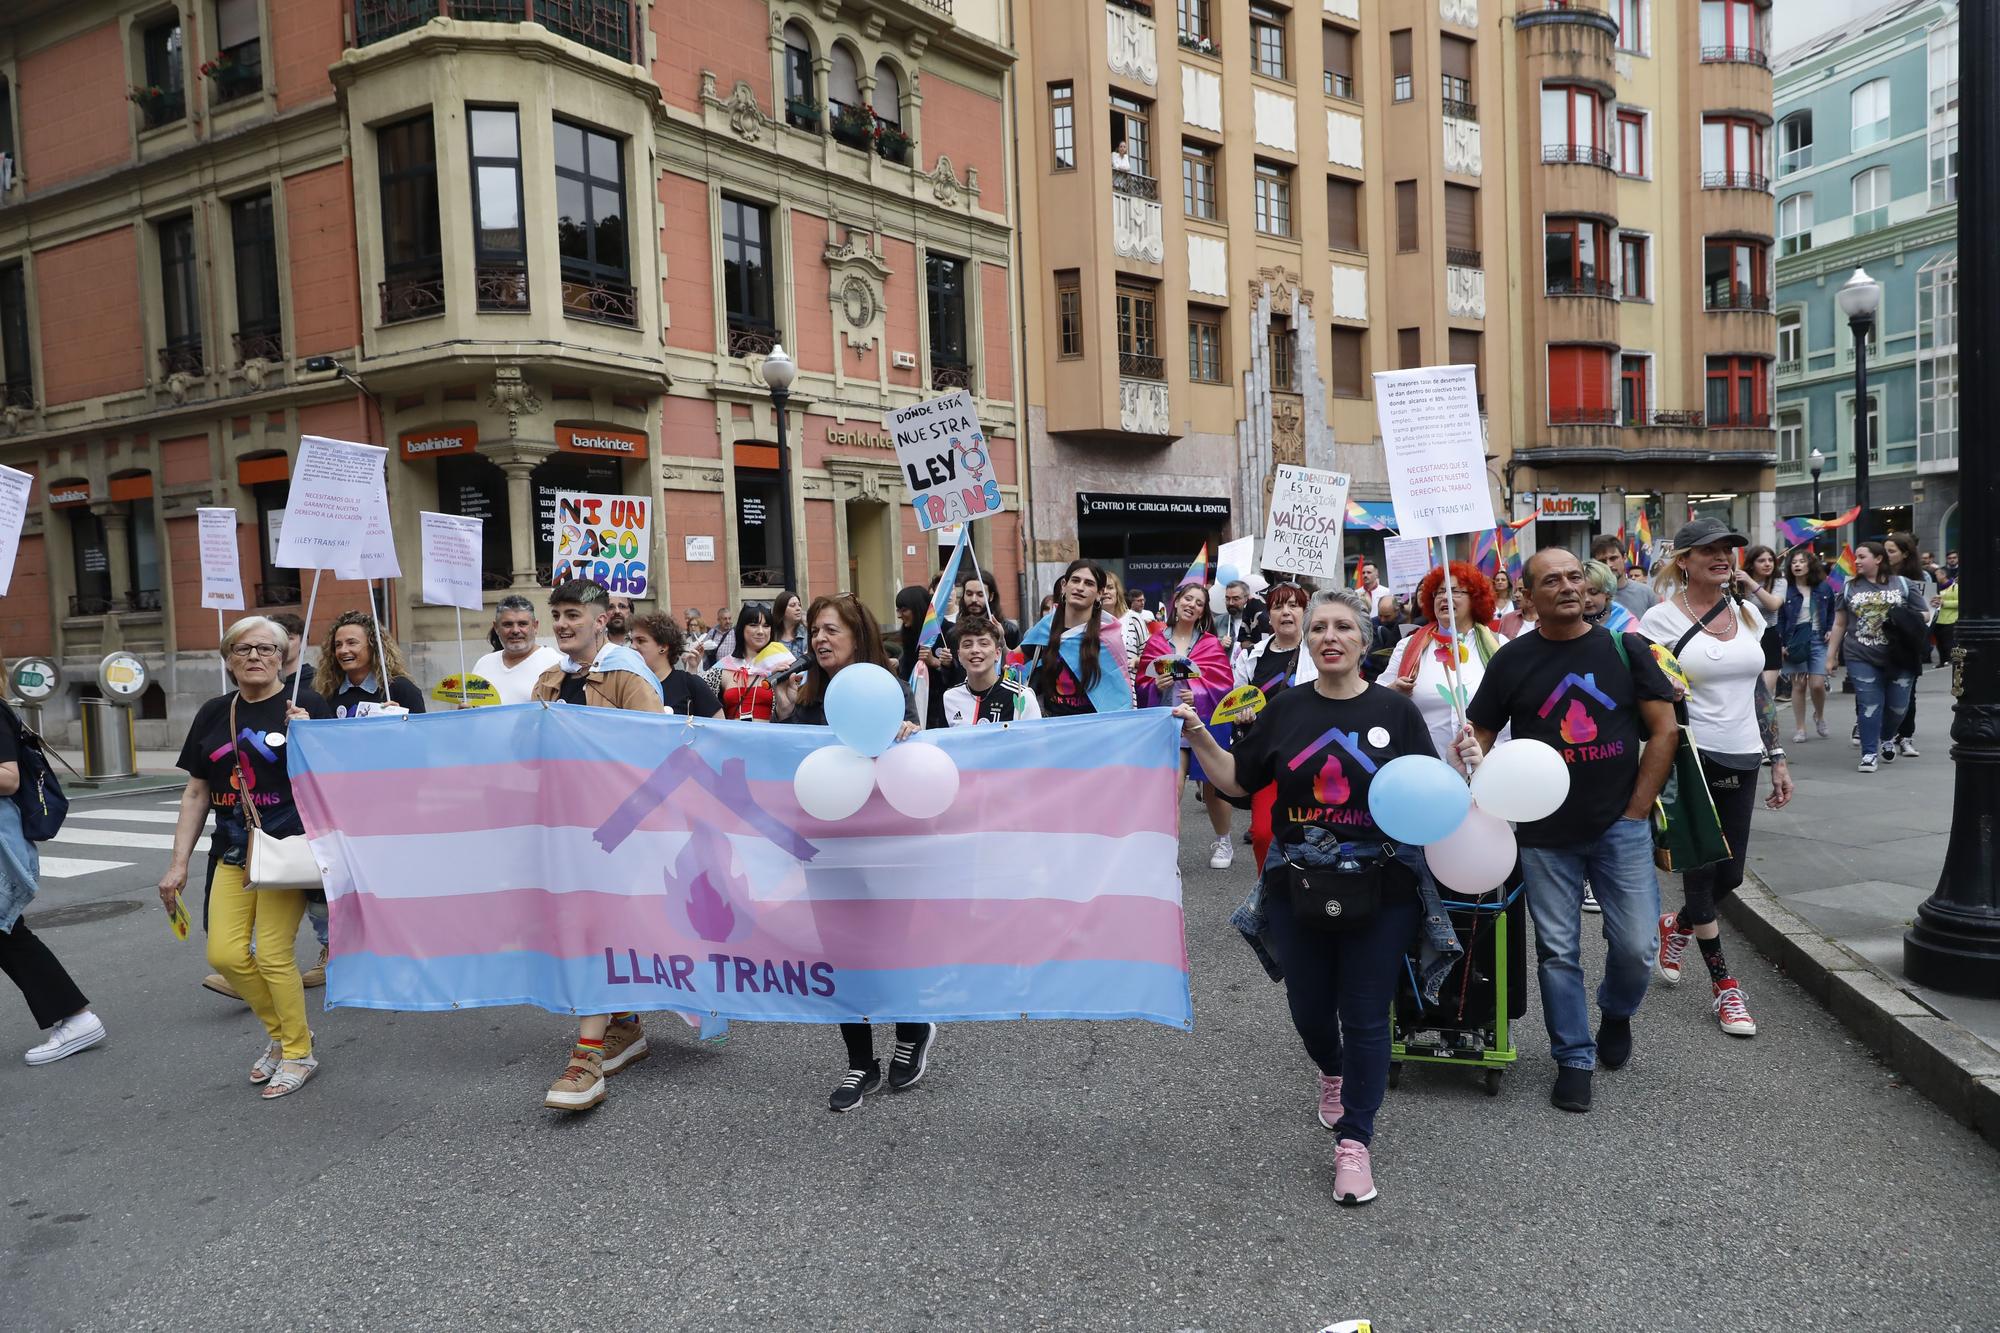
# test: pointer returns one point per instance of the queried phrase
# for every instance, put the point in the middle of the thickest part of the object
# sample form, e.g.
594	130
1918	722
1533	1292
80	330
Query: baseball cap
1707	532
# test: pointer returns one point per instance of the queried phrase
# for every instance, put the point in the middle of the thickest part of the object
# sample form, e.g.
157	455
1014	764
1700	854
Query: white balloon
1521	780
1476	857
833	782
917	779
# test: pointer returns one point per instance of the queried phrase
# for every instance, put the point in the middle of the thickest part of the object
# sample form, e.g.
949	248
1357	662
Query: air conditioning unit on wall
904	360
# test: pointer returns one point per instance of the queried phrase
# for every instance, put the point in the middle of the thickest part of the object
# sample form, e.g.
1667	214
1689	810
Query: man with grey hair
1243	615
521	660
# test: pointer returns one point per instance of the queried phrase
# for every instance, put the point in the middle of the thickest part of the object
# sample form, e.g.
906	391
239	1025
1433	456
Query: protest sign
607	539
1238	557
14	488
943	455
221	572
333	496
1303	533
374	557
1435	450
452	548
465	690
1407	559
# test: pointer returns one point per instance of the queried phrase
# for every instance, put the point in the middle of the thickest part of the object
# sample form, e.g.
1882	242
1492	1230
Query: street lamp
779	372
1859	298
1955	943
1818	466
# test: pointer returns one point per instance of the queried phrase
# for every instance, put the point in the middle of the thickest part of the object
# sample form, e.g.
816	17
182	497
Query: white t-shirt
515	683
1722	676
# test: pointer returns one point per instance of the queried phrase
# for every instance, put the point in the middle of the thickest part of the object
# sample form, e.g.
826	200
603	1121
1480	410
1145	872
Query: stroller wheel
1492	1083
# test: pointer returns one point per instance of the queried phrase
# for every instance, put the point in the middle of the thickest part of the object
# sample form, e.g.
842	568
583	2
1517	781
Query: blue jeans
1341	987
1881	697
316	913
1619	868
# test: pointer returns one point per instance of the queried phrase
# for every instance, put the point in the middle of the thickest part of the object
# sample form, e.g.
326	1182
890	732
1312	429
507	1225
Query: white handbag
274	862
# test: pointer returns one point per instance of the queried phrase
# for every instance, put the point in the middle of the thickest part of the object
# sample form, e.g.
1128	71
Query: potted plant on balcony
148	99
804	113
855	126
1205	45
891	143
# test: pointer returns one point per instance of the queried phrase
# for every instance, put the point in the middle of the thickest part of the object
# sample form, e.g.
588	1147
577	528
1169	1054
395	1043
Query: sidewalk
156	773
1855	853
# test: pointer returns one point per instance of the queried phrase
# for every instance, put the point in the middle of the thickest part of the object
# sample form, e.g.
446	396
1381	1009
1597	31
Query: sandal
291	1076
267	1063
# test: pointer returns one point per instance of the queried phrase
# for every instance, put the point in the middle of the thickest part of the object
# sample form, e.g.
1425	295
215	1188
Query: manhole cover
84	913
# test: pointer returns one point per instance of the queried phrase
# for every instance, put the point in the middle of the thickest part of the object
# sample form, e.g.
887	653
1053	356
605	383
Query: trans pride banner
590	861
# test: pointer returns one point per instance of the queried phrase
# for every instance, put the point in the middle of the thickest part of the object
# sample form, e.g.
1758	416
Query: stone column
520	518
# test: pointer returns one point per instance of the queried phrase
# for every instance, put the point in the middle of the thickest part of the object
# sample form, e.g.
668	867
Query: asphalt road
1060	1176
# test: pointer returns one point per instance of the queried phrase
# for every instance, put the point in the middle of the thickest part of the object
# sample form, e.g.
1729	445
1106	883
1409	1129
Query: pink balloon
917	779
1476	857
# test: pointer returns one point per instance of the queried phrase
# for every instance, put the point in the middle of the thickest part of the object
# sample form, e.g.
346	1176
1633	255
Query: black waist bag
1344	896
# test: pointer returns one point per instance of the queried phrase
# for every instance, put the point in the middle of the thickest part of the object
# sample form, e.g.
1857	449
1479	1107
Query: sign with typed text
1435	450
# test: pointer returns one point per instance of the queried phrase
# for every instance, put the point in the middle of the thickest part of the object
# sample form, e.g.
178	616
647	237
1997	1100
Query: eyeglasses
250	650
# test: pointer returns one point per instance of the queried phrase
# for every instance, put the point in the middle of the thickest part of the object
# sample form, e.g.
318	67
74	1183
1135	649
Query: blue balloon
1418	800
864	706
1226	575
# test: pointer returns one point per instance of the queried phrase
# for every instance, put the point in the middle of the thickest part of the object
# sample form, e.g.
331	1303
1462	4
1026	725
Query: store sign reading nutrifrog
600	440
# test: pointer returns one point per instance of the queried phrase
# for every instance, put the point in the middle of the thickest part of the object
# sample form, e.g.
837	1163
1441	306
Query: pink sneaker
1731	1012
1673	944
1329	1100
1353	1179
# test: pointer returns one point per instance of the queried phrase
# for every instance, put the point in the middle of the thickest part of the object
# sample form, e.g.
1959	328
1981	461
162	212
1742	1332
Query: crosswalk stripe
127	816
113	837
68	867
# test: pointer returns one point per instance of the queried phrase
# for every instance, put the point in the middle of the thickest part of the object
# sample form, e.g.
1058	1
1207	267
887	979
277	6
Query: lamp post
1955	943
1818	465
1859	298
779	372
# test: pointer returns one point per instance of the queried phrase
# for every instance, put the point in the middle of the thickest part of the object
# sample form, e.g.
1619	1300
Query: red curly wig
1465	576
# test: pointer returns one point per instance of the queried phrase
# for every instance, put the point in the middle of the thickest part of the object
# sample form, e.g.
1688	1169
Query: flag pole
220	632
458	623
1451	614
381	657
305	636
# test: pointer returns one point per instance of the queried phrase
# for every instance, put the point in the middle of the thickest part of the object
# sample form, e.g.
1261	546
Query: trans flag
590	861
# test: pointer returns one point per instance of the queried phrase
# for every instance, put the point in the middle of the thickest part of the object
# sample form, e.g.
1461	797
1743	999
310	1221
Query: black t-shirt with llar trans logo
1576	695
210	751
1324	752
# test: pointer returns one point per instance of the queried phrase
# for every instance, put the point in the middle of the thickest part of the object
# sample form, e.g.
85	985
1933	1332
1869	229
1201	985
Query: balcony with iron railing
415	294
1576	154
599	299
1458	108
181	356
949	375
1736	55
266	344
750	337
1754	420
1142	366
1135	184
158	106
142	600
606	26
500	285
90	604
277	594
1735	180
1458	256
17	393
1736	299
1136	6
1582	416
1580	284
1665	418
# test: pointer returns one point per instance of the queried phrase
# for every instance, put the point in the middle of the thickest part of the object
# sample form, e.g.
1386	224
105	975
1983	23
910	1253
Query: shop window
90	555
253	235
142	556
412	248
760	547
499	238
473	486
590	226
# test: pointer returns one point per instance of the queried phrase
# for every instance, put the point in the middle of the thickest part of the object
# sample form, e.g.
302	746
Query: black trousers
51	995
860	1039
1735	793
1908	731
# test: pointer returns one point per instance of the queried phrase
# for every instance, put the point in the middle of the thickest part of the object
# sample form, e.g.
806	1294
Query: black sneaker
854	1085
912	1059
1572	1090
1614	1043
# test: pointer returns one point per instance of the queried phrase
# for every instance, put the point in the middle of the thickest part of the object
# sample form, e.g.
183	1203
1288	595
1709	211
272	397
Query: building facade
1303	196
1867	125
543	247
1641	232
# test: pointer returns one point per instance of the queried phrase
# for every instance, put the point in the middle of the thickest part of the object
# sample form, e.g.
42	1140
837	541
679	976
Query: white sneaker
1867	764
1222	856
1907	748
1798	738
79	1032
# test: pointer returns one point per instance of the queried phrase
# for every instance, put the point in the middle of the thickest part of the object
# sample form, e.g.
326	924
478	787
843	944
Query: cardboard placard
943	455
607	539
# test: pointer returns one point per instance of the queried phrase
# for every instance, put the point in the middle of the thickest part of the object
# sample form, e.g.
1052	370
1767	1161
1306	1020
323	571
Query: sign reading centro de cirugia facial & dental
945	462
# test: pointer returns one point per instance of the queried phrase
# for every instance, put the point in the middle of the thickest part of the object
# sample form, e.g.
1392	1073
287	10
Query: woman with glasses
350	679
236	751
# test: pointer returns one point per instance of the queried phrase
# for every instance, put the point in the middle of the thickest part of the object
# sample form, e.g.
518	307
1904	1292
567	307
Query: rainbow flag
586	860
1198	571
1357	517
1486	550
1841	570
940	599
1796	532
1515	525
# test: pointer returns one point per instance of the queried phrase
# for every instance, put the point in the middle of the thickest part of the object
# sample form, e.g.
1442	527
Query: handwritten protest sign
374	556
1302	534
607	539
1407	559
1435	450
945	464
221	572
333	495
14	488
452	547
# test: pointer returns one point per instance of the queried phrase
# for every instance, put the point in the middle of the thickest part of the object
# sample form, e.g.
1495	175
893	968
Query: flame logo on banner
1330	786
1577	726
702	870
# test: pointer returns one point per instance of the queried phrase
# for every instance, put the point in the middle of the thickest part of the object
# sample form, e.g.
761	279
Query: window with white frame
1795	221
1871	200
1873	426
1795	143
1791	442
1937	360
1868	114
1791	339
1944	165
1944	70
